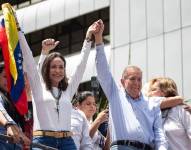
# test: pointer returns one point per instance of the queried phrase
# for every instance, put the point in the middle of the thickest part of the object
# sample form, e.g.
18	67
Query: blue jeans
123	147
59	143
4	145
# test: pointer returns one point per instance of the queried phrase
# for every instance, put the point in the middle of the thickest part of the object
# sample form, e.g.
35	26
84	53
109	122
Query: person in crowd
167	102
11	122
140	123
53	92
87	104
80	129
176	120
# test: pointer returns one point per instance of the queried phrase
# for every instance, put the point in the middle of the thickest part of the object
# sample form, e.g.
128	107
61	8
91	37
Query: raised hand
98	35
103	116
94	28
48	45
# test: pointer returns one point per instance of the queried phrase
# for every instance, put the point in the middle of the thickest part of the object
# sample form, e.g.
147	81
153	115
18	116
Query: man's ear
122	81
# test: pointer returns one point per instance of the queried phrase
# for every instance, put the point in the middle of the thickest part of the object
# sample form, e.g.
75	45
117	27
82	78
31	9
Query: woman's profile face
154	90
88	106
57	71
3	80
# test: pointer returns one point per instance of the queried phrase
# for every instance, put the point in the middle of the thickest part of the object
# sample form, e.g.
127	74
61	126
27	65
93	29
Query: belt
56	134
136	144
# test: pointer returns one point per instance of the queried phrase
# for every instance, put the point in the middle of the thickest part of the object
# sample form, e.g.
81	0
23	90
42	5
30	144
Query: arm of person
187	107
103	71
10	126
80	68
169	102
102	117
107	141
160	140
4	116
31	69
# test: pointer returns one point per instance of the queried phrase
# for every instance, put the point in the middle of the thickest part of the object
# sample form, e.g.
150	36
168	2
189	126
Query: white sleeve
31	69
86	141
185	118
80	68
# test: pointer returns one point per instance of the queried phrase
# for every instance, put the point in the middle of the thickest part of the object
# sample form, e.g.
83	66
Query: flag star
19	61
19	55
20	67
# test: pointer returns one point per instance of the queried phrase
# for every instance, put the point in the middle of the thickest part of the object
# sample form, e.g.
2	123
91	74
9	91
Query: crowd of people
156	119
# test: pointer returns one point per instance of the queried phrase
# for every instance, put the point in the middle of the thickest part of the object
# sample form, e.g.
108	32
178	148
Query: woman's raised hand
48	45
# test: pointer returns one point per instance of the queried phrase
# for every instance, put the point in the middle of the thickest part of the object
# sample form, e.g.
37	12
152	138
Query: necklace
57	98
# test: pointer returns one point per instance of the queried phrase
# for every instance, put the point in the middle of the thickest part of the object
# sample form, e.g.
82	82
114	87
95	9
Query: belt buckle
64	134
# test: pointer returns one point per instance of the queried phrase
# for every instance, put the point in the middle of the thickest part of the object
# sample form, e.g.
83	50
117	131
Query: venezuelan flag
14	60
5	52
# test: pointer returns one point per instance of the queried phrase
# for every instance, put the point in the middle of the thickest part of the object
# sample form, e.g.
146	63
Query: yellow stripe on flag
12	36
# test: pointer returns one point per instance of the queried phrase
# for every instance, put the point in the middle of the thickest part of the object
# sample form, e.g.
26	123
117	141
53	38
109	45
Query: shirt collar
134	100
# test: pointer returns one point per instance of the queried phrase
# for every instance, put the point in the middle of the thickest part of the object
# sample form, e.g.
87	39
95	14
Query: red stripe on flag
21	104
5	51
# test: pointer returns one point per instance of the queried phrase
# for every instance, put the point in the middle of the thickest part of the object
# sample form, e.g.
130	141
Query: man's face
132	82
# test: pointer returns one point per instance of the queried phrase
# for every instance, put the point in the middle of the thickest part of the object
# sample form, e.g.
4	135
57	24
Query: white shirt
44	112
80	129
97	138
177	127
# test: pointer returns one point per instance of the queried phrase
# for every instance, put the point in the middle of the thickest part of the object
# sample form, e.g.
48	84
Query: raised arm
31	69
103	71
80	68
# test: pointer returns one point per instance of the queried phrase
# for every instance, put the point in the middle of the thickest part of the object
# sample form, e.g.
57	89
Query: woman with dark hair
87	104
176	120
53	92
11	122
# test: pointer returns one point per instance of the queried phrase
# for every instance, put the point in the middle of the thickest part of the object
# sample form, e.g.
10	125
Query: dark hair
83	95
2	66
46	69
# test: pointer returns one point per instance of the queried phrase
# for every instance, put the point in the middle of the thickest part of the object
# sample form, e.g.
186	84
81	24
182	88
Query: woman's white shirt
177	127
97	138
44	113
80	129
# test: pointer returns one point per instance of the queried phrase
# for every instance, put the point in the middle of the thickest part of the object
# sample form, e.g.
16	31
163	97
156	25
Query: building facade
153	34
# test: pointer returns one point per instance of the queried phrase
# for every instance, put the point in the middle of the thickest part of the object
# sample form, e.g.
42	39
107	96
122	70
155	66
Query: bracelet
88	39
9	123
